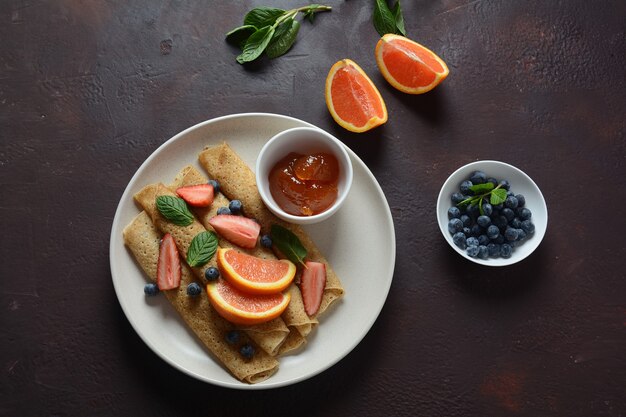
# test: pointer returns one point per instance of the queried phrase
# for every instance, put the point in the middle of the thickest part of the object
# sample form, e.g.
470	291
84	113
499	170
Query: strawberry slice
312	284
239	230
197	195
168	265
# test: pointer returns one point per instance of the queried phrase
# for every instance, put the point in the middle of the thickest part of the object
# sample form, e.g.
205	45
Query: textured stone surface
89	89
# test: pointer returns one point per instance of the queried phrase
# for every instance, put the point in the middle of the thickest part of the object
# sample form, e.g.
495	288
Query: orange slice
242	308
409	66
255	275
352	98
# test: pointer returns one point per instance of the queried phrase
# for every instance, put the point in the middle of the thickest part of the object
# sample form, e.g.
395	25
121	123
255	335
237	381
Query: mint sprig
174	209
487	191
202	248
288	244
388	19
270	30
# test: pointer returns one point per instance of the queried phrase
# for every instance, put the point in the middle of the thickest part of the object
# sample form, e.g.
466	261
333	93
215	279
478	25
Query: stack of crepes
237	181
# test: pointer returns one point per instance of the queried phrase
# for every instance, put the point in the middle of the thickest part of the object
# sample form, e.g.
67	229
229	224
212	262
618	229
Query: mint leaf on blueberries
484	192
498	196
174	209
482	188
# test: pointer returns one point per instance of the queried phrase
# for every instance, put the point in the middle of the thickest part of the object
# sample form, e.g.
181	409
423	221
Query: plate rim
236	384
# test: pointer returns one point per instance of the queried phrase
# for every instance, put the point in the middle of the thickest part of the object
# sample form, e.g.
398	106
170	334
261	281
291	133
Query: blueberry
467	231
499	240
483	240
476	230
493	231
151	289
459	240
232	337
521	200
455	225
487	209
235	206
494	250
483	221
466	187
266	241
510	193
498	207
467	221
505	184
457	198
525	214
472	251
247	351
511	234
212	273
521	234
516	223
193	289
506	250
216	186
528	227
501	222
454	212
508	214
473	211
478	177
493	181
472	241
223	210
511	202
483	252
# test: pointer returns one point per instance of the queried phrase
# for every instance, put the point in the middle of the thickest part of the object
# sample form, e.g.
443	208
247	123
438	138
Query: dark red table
88	90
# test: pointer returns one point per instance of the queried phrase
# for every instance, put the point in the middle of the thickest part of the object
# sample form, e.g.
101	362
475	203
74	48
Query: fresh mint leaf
288	244
202	248
240	35
272	26
397	14
174	209
498	196
384	19
482	188
263	16
256	44
282	43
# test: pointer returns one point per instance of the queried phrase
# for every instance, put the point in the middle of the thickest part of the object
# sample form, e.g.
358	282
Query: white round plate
358	241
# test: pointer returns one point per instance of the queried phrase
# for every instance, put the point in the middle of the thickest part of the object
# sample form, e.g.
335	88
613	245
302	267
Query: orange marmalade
304	185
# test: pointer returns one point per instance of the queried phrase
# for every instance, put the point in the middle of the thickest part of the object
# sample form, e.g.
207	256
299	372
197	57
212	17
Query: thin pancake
293	314
270	335
142	238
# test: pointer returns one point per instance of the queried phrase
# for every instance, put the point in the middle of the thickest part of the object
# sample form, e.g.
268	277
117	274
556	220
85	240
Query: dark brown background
89	89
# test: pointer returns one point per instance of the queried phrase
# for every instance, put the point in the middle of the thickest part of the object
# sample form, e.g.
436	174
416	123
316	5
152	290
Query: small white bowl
520	184
303	140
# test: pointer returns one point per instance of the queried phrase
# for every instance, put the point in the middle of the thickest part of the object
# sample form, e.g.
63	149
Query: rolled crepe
142	238
237	181
293	314
270	335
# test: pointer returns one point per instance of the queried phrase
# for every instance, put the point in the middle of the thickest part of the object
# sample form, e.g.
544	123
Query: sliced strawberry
197	195
239	230
168	265
312	284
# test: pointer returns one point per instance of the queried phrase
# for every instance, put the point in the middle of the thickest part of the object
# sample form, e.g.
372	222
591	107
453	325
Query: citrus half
255	275
352	98
409	66
242	308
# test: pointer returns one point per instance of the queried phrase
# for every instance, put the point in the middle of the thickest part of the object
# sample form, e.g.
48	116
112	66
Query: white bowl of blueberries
492	213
